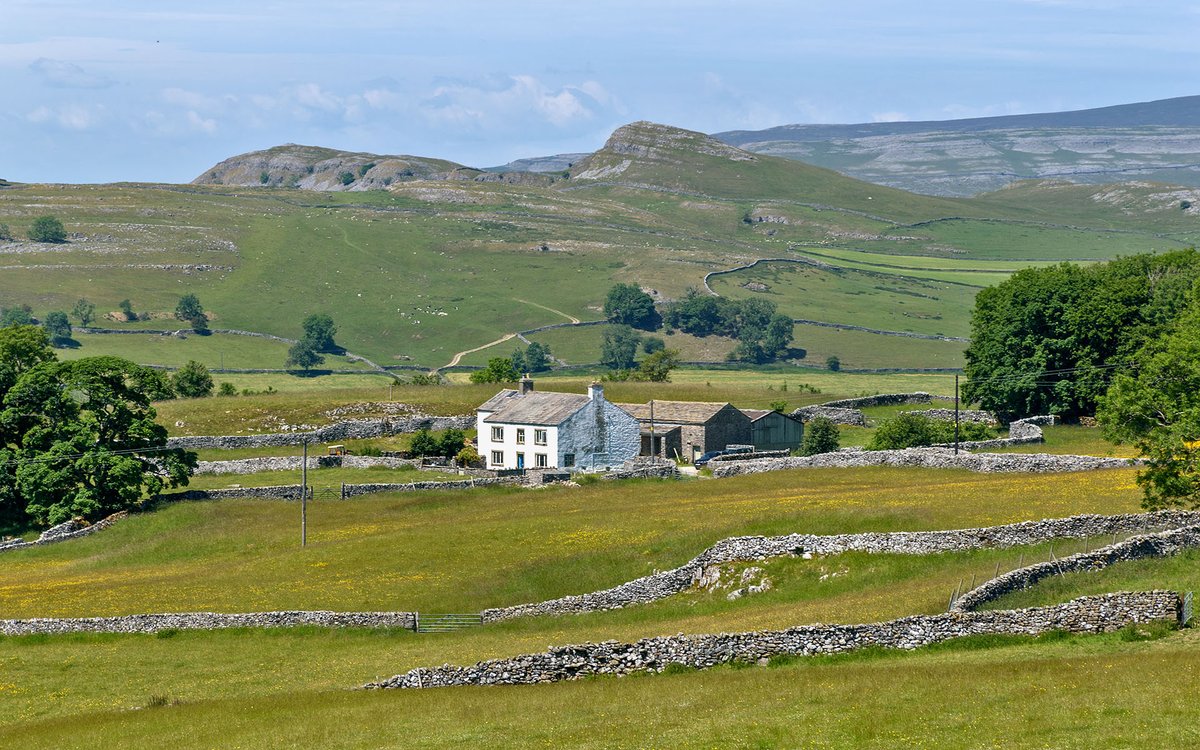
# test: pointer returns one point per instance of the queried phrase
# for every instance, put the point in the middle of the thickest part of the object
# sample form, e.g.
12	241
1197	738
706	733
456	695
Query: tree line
1120	340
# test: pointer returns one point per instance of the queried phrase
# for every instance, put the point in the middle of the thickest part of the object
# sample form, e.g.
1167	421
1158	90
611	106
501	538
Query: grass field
216	351
320	478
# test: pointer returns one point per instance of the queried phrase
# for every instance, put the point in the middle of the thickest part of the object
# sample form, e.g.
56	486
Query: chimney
526	384
596	391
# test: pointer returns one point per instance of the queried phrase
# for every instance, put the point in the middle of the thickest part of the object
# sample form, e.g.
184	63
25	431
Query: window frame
497	458
520	436
541	461
497	434
540	437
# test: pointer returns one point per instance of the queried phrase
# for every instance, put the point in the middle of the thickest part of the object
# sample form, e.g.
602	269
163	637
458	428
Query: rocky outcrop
1096	614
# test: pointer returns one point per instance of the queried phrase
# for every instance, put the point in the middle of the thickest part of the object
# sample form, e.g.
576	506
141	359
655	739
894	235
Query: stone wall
885	399
72	529
207	621
353	490
744	549
964	415
931	458
837	415
644	467
351	429
1162	544
1085	615
292	463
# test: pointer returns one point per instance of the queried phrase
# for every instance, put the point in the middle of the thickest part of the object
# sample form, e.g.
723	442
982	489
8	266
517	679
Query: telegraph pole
956	414
304	496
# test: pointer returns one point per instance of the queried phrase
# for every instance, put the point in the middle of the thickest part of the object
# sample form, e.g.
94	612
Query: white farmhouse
527	429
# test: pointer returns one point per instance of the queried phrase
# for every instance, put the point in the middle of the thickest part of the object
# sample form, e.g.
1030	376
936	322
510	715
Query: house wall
511	447
601	435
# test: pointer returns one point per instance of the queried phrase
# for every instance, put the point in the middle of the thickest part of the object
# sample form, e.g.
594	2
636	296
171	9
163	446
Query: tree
627	304
537	357
423	443
820	436
319	331
47	229
193	380
1048	340
190	310
127	309
6	234
657	367
16	316
833	363
498	370
85	311
652	344
83	440
21	349
304	355
620	347
1156	407
451	442
58	327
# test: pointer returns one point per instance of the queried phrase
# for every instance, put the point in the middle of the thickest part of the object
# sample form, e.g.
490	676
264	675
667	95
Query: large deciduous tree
319	331
79	439
1156	407
627	304
619	348
190	310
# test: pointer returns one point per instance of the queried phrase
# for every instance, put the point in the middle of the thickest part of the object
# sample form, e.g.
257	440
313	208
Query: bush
451	442
47	229
820	436
915	430
6	234
424	443
226	389
833	363
346	177
193	380
58	328
468	456
127	310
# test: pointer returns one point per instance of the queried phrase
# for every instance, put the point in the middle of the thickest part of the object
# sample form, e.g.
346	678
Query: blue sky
105	90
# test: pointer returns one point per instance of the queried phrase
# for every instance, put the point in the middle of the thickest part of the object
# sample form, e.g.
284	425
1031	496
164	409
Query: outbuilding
774	431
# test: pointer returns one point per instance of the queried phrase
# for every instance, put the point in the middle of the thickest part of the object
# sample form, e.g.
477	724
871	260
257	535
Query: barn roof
676	412
757	414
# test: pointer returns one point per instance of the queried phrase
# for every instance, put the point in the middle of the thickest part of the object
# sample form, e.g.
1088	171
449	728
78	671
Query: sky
116	90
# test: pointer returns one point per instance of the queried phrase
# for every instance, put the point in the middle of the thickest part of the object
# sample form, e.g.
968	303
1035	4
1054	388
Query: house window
568	459
539	460
497	434
520	436
539	437
497	458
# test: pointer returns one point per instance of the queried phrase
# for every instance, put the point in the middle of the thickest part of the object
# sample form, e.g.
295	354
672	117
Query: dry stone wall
292	463
749	548
963	415
931	458
72	529
1085	615
207	621
350	429
1162	544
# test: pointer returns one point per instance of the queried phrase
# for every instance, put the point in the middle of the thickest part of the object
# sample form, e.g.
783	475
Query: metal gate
1185	610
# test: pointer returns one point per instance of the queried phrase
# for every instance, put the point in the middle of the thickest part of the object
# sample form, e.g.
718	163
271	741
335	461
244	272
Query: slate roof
757	414
535	407
676	412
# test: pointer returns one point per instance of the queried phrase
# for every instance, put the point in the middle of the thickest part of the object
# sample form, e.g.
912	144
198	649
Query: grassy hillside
429	268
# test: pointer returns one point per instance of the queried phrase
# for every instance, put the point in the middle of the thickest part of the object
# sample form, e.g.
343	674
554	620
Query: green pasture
869	299
215	351
320	477
509	545
1016	241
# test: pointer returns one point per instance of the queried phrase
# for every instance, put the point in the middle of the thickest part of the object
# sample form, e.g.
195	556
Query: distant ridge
1179	112
1155	141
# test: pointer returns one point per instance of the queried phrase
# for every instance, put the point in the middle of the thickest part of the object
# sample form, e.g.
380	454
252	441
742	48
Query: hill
1157	140
325	169
449	260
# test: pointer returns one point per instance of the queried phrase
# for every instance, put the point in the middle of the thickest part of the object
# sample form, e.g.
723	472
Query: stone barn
703	426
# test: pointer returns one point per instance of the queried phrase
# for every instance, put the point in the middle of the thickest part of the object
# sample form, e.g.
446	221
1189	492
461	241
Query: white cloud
512	100
67	75
888	117
67	116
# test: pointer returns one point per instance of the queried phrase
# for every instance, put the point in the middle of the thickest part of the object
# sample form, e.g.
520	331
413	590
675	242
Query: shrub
58	328
264	177
346	177
820	436
451	442
127	310
833	363
6	234
468	456
226	389
193	380
47	229
423	443
913	430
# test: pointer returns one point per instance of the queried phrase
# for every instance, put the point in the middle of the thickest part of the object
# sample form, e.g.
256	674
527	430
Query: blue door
520	460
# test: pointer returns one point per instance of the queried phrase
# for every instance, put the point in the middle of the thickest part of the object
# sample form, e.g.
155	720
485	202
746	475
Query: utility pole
304	496
956	414
653	452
